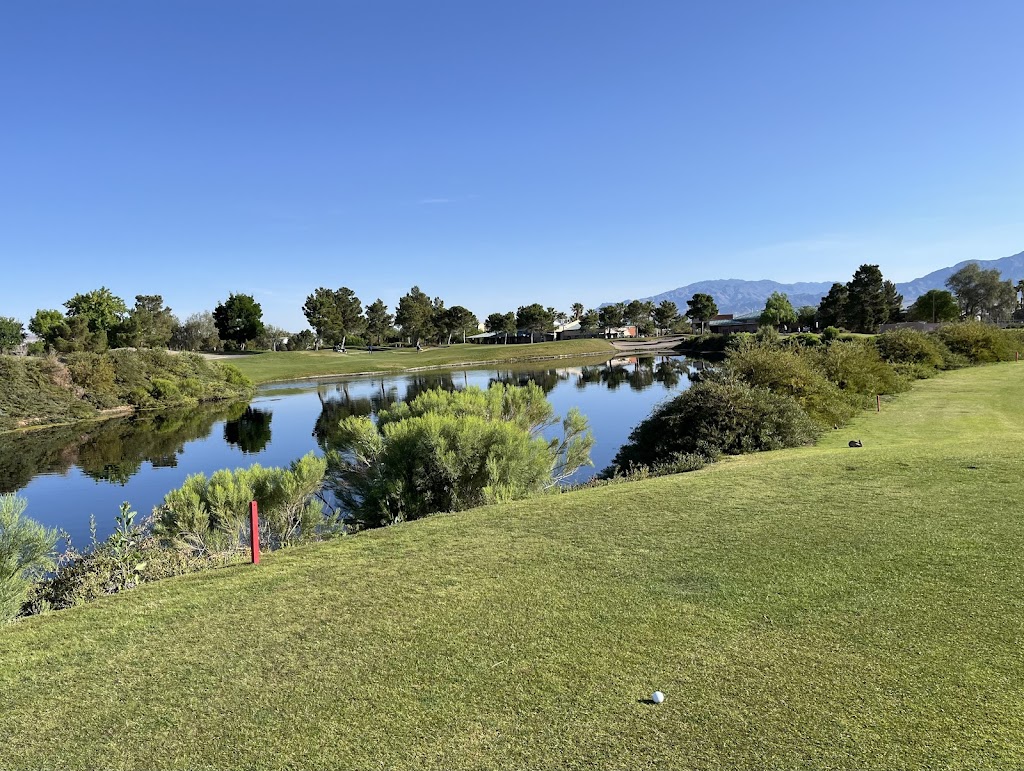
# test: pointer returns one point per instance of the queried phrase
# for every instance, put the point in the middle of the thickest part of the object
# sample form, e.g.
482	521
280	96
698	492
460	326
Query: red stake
254	532
878	403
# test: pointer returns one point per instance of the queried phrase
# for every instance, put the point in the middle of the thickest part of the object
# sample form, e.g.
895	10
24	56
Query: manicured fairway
289	365
824	607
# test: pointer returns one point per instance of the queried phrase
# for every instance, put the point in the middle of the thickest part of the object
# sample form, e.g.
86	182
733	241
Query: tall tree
197	333
12	333
101	308
415	315
866	303
239	319
611	316
806	315
350	313
934	305
150	323
982	293
501	323
832	308
47	325
893	303
321	312
589	322
459	321
700	308
378	320
665	315
534	318
577	311
778	311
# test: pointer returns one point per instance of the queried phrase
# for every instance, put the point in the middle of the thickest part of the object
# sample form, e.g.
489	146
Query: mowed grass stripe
823	607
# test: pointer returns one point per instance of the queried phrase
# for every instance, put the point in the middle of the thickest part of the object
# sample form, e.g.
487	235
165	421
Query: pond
71	472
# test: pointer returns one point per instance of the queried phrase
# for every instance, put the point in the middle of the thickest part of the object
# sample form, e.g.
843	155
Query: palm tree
577	310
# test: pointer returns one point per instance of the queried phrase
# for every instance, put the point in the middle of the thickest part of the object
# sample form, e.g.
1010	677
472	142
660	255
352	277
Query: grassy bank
36	391
823	607
292	365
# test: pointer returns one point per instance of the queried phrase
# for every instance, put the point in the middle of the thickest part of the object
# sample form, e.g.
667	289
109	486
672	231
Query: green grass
289	365
823	607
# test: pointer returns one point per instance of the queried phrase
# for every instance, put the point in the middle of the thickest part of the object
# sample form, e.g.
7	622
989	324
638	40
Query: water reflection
111	451
250	431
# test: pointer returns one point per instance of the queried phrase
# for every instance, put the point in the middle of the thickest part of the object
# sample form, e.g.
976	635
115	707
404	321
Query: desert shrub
716	416
793	372
977	342
232	375
828	334
210	515
164	390
909	346
805	339
94	374
26	552
129	557
856	367
449	451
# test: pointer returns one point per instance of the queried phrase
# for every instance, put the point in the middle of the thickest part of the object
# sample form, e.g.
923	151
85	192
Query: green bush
26	552
828	334
715	416
909	346
449	451
977	342
856	367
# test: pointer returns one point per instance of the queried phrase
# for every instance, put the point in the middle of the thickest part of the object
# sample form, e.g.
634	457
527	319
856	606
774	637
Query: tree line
97	320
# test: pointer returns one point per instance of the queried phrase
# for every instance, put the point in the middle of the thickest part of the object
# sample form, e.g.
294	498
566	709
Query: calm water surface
68	473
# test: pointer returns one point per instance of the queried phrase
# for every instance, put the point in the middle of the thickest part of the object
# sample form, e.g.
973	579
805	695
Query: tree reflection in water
250	431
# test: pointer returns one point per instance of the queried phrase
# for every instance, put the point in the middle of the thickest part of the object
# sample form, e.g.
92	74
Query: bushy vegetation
449	451
78	385
26	552
208	515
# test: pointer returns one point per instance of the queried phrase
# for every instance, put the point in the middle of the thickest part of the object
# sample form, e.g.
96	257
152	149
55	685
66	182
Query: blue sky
498	153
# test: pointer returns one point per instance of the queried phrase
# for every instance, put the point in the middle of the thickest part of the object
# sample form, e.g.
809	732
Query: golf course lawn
825	607
290	365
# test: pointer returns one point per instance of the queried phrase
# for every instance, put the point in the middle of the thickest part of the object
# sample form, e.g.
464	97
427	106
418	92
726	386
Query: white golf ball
657	697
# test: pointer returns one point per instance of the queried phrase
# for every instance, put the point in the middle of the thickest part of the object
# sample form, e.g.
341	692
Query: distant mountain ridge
738	296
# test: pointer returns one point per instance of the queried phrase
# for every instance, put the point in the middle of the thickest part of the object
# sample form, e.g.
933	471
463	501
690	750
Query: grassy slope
824	607
288	365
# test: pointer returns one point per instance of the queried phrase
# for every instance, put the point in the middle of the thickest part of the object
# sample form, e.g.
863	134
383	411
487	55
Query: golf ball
657	697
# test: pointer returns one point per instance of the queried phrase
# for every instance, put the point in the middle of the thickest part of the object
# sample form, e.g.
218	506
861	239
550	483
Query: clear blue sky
498	153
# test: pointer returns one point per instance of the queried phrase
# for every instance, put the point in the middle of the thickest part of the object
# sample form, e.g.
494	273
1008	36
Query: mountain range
738	296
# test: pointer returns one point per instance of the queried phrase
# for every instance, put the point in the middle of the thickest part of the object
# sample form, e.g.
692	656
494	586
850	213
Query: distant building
726	323
572	331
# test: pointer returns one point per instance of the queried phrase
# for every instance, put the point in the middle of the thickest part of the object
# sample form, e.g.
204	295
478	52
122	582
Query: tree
577	311
832	308
665	315
378	320
806	316
589	322
197	333
415	315
611	316
46	325
866	301
12	334
103	309
893	303
150	324
453	450
778	311
534	318
934	305
700	308
239	319
459	320
501	323
982	294
333	314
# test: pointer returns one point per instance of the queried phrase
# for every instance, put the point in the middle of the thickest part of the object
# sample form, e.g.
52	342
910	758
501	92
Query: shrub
209	515
909	346
724	416
164	390
26	551
828	334
449	451
856	367
978	343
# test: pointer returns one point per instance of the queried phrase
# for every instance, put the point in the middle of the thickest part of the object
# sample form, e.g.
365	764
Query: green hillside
825	607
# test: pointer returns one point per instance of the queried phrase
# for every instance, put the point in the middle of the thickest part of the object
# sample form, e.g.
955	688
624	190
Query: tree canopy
12	333
700	308
983	294
239	319
415	315
778	311
934	305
